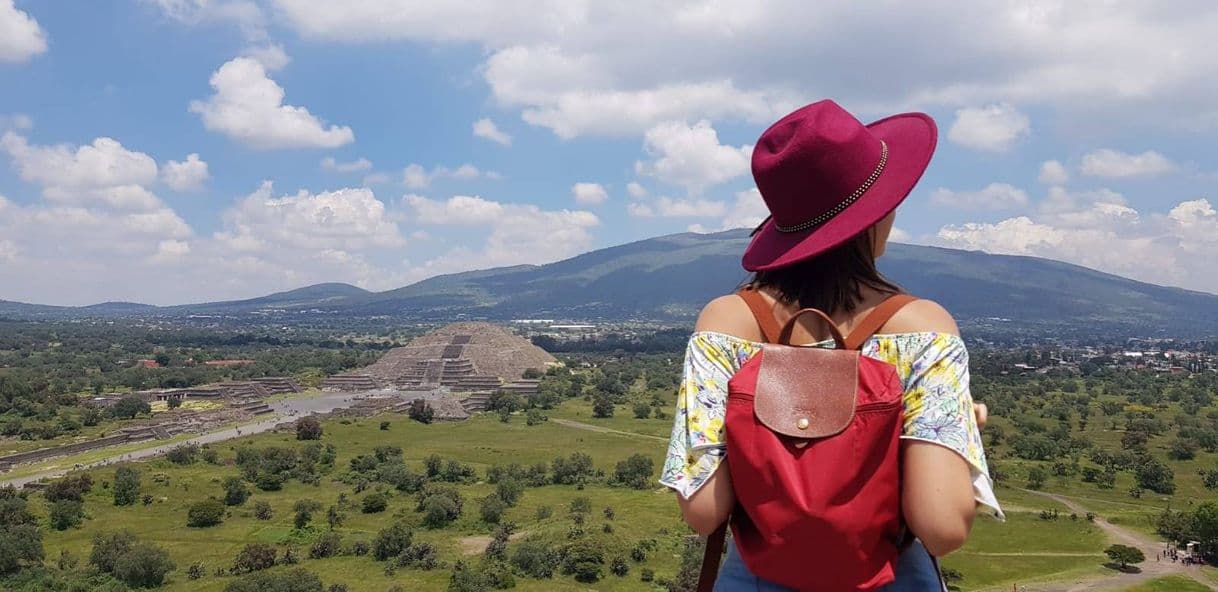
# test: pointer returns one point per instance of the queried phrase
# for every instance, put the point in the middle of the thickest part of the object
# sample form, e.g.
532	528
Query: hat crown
811	160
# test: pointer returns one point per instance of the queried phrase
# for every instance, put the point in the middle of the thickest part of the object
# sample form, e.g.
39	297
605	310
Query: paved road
1151	569
285	410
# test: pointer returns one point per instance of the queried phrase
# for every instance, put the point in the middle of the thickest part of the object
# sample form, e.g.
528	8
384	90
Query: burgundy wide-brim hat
826	178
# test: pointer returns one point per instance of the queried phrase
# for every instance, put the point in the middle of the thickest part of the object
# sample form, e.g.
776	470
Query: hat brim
911	139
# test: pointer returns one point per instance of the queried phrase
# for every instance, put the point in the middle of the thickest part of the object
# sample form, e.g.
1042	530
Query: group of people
1174	555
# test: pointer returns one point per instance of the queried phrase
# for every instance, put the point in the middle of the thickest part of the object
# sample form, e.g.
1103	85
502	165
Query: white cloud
376	179
248	107
589	193
1169	248
16	121
459	209
1115	164
20	36
271	56
485	128
356	166
1053	172
243	13
691	156
993	128
345	219
171	251
899	235
566	67
636	191
747	212
185	176
667	207
415	176
103	163
995	196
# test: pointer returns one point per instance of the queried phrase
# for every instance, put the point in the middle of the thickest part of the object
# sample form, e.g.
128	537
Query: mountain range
669	278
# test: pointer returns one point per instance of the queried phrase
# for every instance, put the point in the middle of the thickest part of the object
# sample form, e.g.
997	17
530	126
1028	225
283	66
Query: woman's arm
710	505
937	499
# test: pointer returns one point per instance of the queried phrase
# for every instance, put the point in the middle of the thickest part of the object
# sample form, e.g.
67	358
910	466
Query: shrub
360	548
293	580
196	571
108	547
421	411
602	407
492	509
580	505
642	410
619	567
254	557
235	491
304	509
544	512
535	417
439	510
457	472
391	541
647	574
130	406
184	454
509	490
263	511
535	558
374	502
573	469
1182	449
634	472
421	556
144	565
1036	478
208	512
326	545
308	428
1154	475
71	487
66	513
584	561
126	486
384	425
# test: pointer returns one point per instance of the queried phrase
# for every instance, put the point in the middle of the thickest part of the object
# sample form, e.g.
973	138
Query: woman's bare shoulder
922	316
728	315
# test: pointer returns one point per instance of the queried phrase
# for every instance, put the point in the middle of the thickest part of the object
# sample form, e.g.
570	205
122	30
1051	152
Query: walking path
1151	569
604	430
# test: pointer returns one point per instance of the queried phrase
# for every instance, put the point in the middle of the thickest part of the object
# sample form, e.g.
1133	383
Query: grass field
1023	548
1170	584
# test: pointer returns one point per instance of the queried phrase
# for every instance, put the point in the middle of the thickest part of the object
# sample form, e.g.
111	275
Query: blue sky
379	143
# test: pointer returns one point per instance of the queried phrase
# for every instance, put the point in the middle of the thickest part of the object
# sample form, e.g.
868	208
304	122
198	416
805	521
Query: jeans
916	572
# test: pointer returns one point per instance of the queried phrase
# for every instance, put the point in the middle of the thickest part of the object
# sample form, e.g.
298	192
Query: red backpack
813	443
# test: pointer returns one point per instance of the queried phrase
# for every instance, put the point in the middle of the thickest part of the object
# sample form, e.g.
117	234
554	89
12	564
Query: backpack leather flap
806	392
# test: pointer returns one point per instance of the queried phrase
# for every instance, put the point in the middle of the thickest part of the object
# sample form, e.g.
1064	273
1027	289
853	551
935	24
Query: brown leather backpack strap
764	313
711	559
876	319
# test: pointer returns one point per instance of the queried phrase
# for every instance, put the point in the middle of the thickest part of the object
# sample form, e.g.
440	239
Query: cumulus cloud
16	121
564	65
1098	230
747	211
993	128
103	172
246	14
1053	172
271	56
691	156
589	193
356	166
343	219
459	209
1116	164
415	176
636	191
248	107
485	128
20	36
995	196
189	175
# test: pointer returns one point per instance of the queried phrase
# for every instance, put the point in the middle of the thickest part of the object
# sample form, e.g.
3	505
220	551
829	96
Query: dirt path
1150	547
604	430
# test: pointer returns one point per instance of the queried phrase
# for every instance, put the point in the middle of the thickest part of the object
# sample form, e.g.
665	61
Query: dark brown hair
832	281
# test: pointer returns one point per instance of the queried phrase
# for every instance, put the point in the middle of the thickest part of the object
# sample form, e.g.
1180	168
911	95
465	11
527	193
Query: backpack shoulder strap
711	559
875	320
763	312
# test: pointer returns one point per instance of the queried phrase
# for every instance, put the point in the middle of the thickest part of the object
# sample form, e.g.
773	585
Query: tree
108	547
334	517
66	514
183	455
642	410
1182	449
1205	529
304	509
392	541
144	565
235	491
602	407
126	486
1036	478
20	539
421	411
262	510
208	512
173	402
634	472
71	487
509	490
130	406
584	560
1154	475
326	545
254	557
308	428
492	509
535	558
1123	555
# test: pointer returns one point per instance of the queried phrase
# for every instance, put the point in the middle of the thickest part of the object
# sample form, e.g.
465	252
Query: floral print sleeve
696	446
939	406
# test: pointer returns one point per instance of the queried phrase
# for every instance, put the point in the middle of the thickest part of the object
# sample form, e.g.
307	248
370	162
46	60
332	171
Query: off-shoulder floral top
933	368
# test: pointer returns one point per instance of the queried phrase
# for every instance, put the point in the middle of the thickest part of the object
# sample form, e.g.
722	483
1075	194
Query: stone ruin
469	357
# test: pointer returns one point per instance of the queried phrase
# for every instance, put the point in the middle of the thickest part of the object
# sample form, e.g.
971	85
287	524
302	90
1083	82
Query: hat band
853	197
